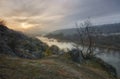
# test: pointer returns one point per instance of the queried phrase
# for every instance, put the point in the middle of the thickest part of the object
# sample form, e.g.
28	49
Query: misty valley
110	56
59	39
61	54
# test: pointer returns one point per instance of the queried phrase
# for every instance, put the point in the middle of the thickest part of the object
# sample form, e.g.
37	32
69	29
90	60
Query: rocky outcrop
107	67
17	44
76	55
54	49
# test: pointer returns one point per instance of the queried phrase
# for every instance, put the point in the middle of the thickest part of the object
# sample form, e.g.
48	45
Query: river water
112	57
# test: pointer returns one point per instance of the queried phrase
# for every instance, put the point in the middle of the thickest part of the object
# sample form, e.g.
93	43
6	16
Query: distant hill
106	29
109	35
17	44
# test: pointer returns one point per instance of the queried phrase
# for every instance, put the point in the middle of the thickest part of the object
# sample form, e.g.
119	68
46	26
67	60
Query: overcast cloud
48	15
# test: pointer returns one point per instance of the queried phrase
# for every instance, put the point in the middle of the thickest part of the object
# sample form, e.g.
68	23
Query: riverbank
109	56
103	42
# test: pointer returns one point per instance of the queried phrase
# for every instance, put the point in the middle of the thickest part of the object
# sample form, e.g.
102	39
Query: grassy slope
47	68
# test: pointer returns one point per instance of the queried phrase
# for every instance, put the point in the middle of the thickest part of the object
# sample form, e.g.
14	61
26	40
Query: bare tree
87	36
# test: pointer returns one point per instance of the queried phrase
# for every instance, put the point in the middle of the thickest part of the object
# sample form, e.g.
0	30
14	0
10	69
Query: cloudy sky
48	15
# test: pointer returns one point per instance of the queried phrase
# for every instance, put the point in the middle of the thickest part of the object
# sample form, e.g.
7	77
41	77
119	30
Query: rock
76	55
54	49
17	44
4	49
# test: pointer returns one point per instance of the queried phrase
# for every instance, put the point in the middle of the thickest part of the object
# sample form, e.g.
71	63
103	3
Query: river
112	57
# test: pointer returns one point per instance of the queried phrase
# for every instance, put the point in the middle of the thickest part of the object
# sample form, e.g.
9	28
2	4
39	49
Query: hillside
49	68
17	44
23	57
107	36
106	29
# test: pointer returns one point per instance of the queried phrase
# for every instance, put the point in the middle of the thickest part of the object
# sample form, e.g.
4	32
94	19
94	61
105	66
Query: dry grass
47	68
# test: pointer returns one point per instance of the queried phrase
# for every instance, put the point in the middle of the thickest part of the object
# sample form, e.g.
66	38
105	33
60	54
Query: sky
39	16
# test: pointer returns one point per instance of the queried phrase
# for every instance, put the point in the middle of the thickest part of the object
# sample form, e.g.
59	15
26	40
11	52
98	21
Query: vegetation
17	44
108	35
49	68
23	57
87	39
48	52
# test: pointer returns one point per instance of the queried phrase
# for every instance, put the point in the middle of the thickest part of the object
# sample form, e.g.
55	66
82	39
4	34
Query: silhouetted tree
86	38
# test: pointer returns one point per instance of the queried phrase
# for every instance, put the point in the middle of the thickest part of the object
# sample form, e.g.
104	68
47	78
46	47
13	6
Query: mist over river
112	57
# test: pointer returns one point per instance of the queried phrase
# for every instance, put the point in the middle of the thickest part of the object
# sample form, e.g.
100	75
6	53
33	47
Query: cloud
48	15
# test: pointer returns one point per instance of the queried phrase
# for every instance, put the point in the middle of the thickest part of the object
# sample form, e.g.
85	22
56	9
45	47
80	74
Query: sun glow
26	25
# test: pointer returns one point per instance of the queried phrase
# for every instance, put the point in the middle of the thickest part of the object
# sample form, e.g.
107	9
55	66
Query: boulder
54	49
76	55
